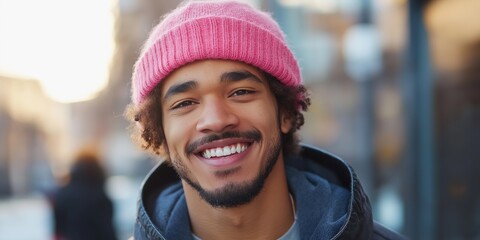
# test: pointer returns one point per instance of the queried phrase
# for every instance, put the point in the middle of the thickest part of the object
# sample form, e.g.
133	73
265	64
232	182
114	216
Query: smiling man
218	94
217	146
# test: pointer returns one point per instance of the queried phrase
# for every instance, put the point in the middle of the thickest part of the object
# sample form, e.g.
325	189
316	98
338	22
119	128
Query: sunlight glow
65	44
322	6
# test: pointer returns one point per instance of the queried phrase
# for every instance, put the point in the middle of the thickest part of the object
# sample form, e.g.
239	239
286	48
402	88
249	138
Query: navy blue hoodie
330	201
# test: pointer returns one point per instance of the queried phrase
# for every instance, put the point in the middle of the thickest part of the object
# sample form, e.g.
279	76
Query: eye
242	92
183	104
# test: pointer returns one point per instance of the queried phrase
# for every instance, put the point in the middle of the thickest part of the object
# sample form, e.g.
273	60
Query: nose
216	116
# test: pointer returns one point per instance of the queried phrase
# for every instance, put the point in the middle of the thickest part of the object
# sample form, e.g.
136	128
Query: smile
224	151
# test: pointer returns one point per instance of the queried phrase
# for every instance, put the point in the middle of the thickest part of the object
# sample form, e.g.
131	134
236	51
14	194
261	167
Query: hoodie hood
331	203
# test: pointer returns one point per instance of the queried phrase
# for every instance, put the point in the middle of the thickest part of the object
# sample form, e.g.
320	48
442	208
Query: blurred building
33	136
454	40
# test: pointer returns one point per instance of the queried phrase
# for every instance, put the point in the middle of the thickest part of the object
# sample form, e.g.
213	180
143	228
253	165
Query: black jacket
331	203
82	209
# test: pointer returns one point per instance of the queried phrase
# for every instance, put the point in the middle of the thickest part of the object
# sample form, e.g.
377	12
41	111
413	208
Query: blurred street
30	217
27	218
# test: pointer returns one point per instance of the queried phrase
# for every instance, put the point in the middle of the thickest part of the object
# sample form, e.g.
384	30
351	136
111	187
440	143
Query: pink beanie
202	30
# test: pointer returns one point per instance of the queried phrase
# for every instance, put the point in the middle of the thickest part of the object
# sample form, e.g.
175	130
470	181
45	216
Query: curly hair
146	118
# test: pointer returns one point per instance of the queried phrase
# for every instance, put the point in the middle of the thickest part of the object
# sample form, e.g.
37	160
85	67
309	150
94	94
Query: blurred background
395	86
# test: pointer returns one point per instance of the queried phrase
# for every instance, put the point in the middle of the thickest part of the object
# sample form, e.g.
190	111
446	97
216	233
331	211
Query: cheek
265	120
264	117
175	133
270	114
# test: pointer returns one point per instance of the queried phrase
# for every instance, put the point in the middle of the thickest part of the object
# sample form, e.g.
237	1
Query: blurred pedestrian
218	94
82	209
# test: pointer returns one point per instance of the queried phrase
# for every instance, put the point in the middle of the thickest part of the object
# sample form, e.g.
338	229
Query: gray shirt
291	234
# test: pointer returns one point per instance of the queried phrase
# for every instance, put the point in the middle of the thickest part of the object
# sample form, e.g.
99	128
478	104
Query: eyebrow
180	88
236	76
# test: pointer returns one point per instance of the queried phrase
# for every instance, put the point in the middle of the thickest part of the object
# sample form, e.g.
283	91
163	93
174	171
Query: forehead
206	71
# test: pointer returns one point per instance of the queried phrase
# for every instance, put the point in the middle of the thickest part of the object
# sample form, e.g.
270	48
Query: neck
268	216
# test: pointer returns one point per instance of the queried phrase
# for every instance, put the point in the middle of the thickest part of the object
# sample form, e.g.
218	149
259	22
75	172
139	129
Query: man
217	93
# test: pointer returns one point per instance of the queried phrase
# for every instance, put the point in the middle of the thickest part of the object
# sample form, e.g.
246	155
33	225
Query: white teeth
219	152
225	151
239	148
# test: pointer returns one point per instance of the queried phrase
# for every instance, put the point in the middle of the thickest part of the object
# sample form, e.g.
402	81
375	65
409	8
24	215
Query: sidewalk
25	219
30	218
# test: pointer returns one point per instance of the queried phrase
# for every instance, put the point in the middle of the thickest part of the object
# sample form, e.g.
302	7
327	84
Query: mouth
224	153
224	150
217	152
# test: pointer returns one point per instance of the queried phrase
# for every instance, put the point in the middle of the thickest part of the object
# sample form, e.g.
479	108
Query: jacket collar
359	221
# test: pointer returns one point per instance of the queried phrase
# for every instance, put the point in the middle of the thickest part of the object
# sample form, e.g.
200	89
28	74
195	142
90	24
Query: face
222	129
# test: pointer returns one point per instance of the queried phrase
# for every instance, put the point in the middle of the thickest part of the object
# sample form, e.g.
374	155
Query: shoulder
381	232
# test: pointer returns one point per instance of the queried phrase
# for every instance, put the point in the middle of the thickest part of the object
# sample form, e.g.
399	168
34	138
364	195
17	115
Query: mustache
252	135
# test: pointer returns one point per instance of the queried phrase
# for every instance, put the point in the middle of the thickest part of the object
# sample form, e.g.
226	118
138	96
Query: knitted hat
202	30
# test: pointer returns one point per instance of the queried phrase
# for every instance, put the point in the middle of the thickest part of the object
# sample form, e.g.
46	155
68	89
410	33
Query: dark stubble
232	194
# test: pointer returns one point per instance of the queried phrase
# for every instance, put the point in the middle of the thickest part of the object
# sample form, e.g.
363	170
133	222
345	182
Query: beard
232	194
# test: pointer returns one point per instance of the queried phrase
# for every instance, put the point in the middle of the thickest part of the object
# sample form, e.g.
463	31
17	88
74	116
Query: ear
286	122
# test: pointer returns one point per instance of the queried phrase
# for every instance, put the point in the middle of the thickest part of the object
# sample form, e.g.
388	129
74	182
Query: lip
221	143
226	161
